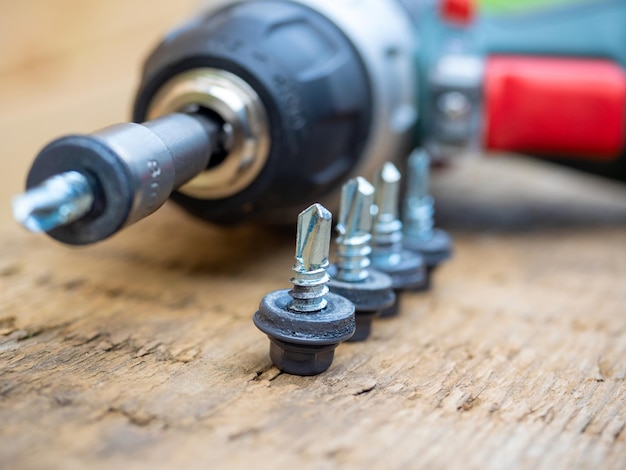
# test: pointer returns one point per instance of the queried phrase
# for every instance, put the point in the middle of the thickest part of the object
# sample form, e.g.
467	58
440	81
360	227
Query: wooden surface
140	352
70	66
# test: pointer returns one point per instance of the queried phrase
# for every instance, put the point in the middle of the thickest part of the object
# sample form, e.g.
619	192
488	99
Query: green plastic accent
590	29
521	6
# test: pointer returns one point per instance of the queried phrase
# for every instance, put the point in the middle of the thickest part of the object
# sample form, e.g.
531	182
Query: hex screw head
405	268
306	324
351	276
420	236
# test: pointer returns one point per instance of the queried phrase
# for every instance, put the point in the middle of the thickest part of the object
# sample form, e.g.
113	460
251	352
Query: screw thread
387	229
419	206
57	201
309	289
312	246
419	218
355	223
353	258
387	243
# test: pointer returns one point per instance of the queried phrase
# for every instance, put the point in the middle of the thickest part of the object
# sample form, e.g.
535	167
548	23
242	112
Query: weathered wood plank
70	67
141	349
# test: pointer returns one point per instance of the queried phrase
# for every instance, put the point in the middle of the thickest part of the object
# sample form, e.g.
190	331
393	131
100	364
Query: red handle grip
555	106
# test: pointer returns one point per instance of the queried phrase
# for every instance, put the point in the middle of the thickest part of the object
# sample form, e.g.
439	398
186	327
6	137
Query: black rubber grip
311	81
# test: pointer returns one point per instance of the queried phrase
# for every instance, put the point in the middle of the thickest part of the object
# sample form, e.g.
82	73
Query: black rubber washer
333	324
409	273
370	295
303	343
435	251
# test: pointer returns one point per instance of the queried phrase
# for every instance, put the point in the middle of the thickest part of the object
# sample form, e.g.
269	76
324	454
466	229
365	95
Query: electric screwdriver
249	111
252	110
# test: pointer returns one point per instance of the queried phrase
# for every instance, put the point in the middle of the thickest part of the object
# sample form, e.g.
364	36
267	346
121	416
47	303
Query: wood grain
141	349
140	352
70	67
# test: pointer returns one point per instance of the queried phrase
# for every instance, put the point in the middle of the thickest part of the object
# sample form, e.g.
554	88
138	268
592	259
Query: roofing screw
306	324
405	268
351	276
420	236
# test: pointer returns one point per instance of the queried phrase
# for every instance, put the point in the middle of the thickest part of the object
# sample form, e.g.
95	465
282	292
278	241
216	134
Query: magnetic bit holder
352	276
406	268
306	324
84	188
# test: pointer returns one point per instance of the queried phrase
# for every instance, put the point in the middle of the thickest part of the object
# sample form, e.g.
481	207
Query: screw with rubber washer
351	276
406	268
306	324
420	235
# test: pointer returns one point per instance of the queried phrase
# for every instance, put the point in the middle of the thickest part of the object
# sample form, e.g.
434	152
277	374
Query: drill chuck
333	83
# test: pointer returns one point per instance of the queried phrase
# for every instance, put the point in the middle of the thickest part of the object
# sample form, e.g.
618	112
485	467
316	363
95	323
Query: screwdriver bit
57	201
83	188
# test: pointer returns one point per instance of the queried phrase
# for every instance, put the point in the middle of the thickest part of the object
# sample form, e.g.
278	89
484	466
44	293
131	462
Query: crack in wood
74	284
7	325
585	426
469	403
365	389
34	332
135	417
244	433
277	374
268	373
10	270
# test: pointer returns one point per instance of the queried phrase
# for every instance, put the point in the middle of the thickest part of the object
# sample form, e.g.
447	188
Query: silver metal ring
245	125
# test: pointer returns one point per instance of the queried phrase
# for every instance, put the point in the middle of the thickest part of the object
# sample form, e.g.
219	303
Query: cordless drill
254	109
250	111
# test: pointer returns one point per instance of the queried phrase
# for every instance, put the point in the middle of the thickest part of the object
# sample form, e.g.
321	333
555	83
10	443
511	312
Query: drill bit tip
59	200
390	173
355	223
418	174
387	191
418	205
313	238
355	215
